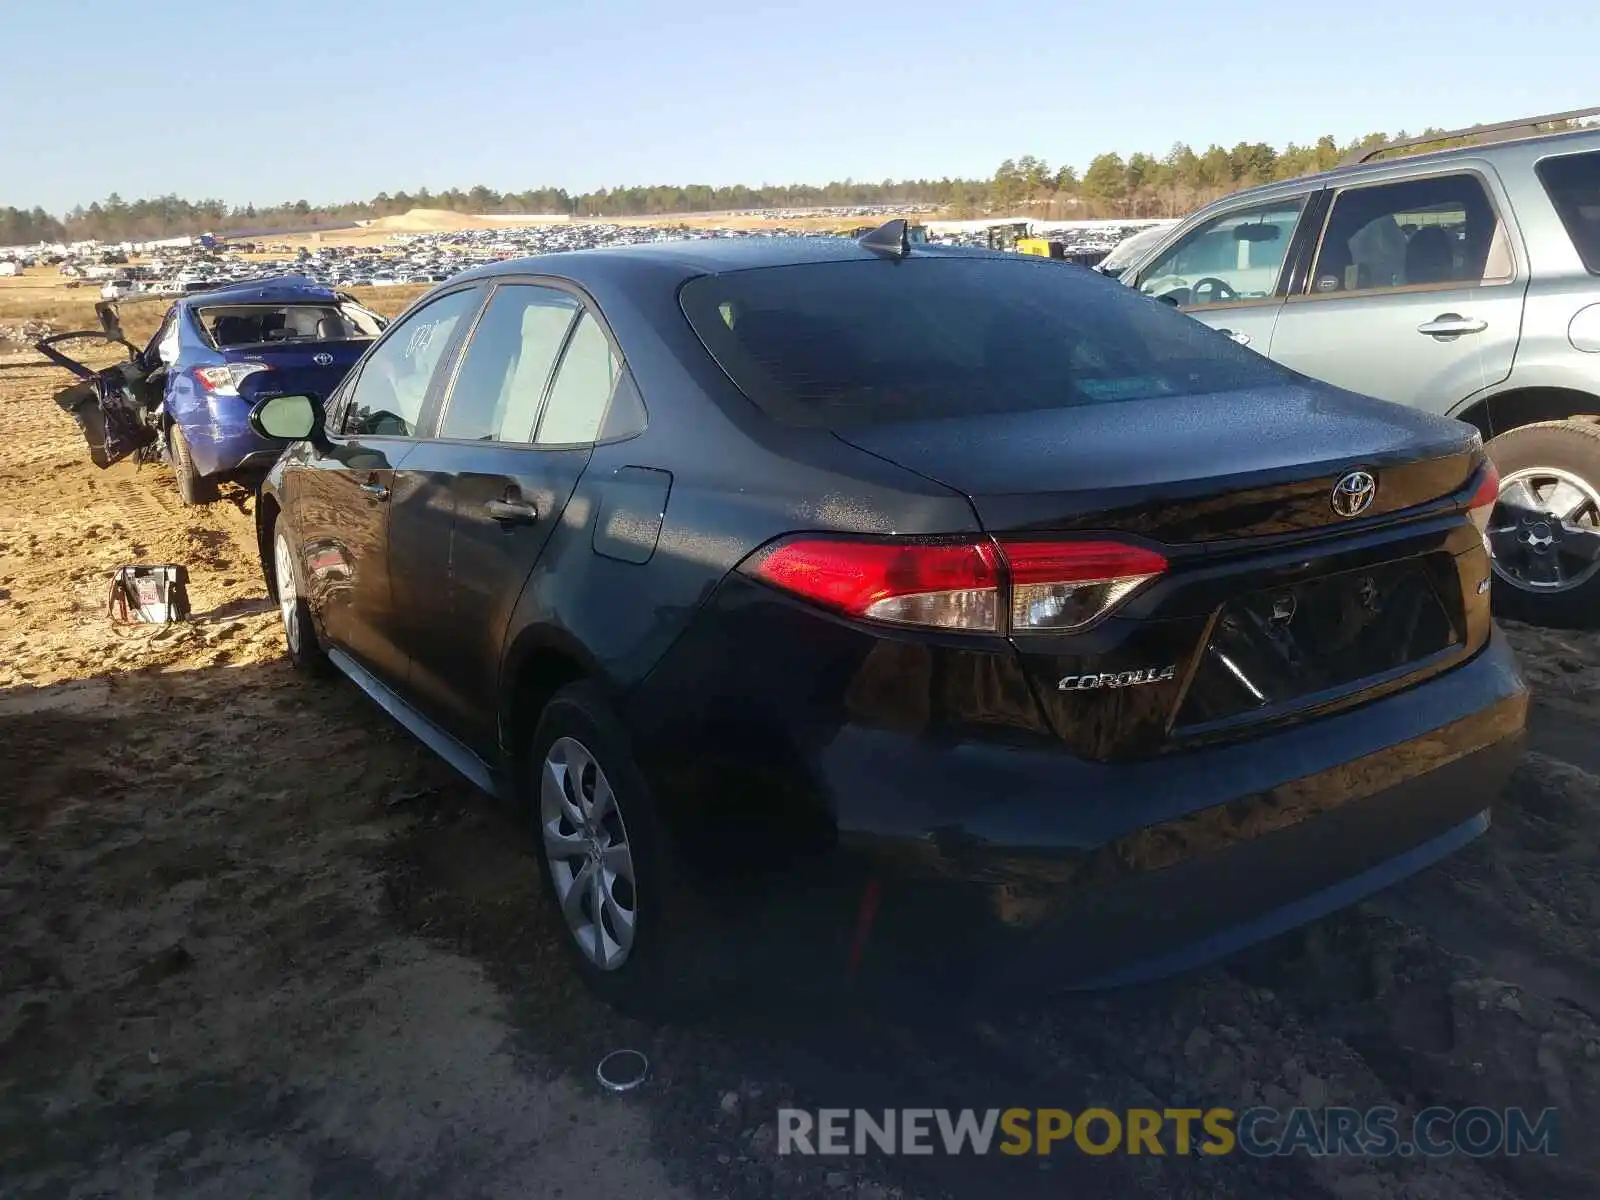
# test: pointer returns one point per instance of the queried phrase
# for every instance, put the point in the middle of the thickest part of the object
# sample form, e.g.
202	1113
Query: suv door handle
1242	338
1451	325
512	512
375	489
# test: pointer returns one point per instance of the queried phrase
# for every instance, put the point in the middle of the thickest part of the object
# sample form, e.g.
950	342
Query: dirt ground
254	940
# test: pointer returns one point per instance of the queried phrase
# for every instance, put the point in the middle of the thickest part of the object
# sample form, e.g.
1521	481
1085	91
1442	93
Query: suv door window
1235	257
504	369
582	391
1437	231
388	397
1573	184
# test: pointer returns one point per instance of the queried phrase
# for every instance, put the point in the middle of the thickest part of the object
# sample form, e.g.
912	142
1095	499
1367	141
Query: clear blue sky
338	99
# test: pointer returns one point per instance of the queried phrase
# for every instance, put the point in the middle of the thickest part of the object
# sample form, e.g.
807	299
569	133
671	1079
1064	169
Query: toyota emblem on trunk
322	358
1353	494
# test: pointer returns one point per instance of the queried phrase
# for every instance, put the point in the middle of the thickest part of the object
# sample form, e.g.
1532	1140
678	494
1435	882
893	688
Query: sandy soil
256	941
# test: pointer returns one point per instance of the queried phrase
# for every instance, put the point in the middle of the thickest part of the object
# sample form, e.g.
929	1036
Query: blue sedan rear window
862	341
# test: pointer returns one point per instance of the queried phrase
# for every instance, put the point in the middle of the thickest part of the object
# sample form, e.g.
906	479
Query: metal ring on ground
622	1070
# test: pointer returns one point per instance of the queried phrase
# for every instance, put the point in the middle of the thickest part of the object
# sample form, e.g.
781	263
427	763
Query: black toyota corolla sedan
1030	599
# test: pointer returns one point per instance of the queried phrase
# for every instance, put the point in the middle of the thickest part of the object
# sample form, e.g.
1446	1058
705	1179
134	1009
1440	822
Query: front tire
629	917
299	634
193	488
1546	570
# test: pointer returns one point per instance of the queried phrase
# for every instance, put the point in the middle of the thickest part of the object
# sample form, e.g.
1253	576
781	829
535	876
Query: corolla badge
322	358
1117	679
1354	493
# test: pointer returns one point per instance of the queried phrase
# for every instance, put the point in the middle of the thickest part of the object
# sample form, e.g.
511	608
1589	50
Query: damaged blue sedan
186	396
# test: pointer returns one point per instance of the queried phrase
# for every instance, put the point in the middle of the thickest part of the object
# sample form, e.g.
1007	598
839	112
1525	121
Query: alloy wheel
591	860
288	597
1545	531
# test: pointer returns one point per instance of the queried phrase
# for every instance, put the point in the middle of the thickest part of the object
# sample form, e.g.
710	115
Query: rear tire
1555	463
595	818
193	488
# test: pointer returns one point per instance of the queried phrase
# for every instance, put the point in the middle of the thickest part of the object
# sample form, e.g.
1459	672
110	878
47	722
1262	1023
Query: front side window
388	397
582	391
1439	230
1237	256
504	370
1572	182
857	342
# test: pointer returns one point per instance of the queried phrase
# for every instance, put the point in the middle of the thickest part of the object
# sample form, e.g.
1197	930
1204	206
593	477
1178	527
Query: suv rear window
857	342
1573	184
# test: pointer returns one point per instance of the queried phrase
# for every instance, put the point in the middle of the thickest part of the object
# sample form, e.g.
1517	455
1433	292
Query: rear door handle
375	489
512	512
1451	325
1242	338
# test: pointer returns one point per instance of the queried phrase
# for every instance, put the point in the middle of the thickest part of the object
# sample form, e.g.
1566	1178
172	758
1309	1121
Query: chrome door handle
512	512
1451	325
1242	338
376	490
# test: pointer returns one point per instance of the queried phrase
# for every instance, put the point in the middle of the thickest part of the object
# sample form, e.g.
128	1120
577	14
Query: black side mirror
110	323
294	418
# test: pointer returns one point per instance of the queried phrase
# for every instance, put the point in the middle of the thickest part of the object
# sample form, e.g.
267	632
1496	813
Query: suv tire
1539	456
579	753
193	488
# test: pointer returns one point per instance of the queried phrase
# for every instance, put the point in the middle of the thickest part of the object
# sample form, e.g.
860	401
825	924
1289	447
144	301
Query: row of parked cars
942	576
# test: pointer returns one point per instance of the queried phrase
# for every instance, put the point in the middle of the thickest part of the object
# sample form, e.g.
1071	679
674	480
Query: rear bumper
222	442
1026	861
1100	875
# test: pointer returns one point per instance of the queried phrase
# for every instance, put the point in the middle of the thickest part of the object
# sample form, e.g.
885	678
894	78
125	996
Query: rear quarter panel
738	479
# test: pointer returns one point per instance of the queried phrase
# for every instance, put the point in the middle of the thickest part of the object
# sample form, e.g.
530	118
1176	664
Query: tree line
1142	185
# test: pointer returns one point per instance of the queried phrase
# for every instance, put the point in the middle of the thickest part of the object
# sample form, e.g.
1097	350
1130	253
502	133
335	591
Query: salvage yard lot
259	941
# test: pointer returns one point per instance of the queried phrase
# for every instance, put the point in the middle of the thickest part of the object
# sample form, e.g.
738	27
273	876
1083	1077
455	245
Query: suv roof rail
1500	131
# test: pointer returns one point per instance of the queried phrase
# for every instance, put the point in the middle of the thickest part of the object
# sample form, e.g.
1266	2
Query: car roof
703	256
281	289
1400	164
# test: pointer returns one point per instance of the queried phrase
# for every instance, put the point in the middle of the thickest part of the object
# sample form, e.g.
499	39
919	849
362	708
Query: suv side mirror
297	418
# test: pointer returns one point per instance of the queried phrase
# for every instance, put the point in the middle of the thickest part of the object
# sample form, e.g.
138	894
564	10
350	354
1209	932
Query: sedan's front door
341	497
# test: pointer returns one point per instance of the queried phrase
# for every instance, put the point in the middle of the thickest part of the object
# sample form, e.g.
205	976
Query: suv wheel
606	860
1545	533
193	488
299	634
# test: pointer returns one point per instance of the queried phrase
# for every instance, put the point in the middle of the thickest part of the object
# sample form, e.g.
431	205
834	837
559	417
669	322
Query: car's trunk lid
1184	471
1275	602
298	367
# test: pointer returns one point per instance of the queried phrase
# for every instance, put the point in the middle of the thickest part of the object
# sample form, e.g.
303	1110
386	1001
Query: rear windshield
1573	183
857	342
254	324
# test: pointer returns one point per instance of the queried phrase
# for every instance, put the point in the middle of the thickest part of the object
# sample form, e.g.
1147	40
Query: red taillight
225	380
940	584
1484	498
1063	586
1041	586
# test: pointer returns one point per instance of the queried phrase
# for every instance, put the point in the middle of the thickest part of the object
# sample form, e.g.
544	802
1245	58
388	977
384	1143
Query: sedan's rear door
501	493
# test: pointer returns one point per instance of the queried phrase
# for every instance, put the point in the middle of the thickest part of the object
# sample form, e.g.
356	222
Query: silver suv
1465	281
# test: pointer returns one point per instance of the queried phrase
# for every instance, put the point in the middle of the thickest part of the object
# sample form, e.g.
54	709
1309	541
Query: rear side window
1428	232
582	390
503	373
849	343
1573	184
